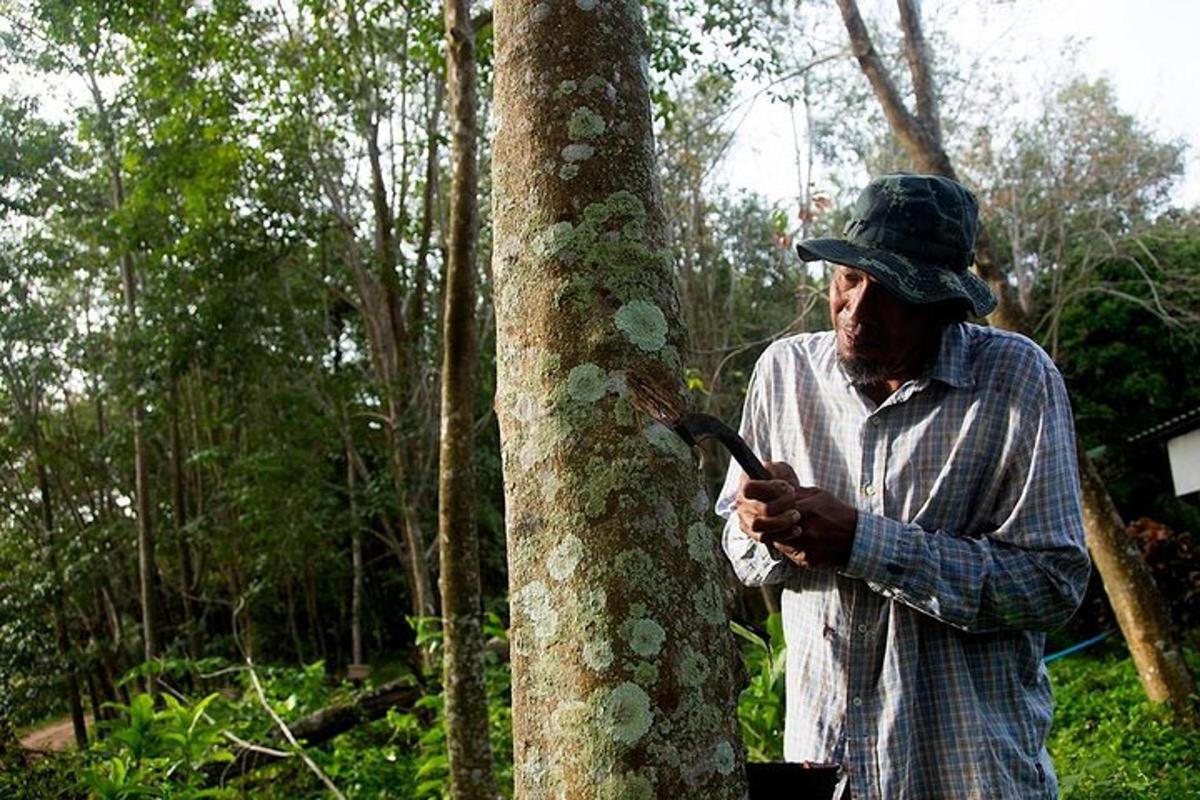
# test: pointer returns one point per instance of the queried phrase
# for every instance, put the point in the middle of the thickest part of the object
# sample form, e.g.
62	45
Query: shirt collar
951	365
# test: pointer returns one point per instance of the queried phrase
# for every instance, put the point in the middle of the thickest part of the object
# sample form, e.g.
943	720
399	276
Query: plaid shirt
917	666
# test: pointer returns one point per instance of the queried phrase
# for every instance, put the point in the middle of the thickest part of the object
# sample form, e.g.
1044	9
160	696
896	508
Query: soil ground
54	736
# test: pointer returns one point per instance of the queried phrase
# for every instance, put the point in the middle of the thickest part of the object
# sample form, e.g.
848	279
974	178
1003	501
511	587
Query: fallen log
319	727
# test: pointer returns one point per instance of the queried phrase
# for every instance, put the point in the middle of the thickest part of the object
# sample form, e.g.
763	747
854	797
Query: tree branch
917	55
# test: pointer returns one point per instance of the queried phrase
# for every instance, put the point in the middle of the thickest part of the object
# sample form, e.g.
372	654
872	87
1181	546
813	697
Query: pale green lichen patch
578	151
723	758
593	84
625	786
700	503
646	637
565	557
669	356
637	568
568	171
708	604
666	441
693	668
570	718
585	124
643	324
587	383
664	512
607	249
605	477
700	544
526	408
625	714
551	242
586	5
645	673
567	88
538	606
622	412
598	654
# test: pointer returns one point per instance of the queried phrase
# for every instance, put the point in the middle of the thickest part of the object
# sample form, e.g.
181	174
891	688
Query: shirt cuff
880	552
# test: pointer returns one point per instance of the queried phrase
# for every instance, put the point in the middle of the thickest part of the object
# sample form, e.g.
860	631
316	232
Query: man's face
879	336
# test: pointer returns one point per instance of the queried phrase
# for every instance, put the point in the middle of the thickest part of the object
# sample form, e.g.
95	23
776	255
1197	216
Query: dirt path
55	736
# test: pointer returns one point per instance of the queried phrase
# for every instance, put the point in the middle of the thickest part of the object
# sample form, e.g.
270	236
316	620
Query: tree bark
464	682
623	676
1141	612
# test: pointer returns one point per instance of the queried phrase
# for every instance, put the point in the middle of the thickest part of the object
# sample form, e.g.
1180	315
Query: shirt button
862	628
869	490
857	702
875	421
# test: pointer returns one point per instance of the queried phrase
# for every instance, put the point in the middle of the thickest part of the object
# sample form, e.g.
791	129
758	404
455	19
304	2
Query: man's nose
862	299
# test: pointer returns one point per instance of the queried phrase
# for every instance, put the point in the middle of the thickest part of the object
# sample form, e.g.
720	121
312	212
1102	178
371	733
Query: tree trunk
356	563
147	569
1135	599
179	518
623	662
464	682
1131	591
29	402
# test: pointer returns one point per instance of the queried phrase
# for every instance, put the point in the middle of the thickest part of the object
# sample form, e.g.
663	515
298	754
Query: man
924	519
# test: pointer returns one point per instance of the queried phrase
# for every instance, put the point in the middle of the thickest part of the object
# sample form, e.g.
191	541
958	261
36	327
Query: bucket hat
915	234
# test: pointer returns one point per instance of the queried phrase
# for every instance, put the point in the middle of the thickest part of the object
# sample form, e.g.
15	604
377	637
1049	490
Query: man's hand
808	526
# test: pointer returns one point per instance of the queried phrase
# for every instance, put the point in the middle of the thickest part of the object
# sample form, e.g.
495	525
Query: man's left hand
825	535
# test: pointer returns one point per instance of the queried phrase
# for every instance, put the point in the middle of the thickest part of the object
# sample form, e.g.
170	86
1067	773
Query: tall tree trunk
1135	599
356	562
467	741
147	569
623	663
179	520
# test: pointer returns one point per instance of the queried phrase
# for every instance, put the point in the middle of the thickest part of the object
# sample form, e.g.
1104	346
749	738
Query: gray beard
864	372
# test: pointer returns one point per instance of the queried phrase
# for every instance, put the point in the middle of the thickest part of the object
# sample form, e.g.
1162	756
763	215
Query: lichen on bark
608	640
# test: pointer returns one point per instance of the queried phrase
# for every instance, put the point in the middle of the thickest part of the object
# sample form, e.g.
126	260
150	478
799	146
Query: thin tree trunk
623	663
179	520
1131	591
467	742
147	569
356	557
28	402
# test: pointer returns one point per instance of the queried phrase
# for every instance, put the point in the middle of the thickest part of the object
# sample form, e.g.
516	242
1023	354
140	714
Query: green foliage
157	753
163	751
761	705
1109	742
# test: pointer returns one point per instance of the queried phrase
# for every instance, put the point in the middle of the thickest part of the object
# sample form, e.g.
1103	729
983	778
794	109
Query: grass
1109	742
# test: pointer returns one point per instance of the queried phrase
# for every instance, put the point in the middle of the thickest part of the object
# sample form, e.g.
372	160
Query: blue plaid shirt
917	666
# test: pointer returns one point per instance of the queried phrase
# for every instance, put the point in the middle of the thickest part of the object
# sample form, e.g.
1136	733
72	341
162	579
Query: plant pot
778	780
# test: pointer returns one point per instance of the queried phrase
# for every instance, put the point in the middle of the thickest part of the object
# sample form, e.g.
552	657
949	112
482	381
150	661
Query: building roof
1181	423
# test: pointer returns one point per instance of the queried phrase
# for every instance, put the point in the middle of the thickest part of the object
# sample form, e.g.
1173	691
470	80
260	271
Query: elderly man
924	516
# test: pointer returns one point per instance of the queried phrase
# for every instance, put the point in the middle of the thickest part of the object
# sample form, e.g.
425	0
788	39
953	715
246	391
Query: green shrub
1109	742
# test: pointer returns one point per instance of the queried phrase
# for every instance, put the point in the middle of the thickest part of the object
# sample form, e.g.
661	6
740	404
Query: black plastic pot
794	781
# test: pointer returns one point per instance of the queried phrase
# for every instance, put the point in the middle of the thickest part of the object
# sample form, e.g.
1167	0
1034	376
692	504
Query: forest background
222	269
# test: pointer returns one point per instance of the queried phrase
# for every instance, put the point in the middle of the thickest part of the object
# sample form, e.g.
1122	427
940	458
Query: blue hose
1075	648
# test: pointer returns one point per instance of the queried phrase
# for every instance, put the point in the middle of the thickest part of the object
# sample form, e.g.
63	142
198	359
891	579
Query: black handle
705	426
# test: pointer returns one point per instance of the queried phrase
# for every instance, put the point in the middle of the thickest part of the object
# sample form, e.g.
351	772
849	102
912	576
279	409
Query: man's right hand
767	508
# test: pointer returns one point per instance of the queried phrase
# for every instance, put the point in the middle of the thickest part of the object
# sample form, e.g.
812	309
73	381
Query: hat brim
903	277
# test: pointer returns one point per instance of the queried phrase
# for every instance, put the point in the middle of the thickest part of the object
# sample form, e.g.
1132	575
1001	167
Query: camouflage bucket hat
915	234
